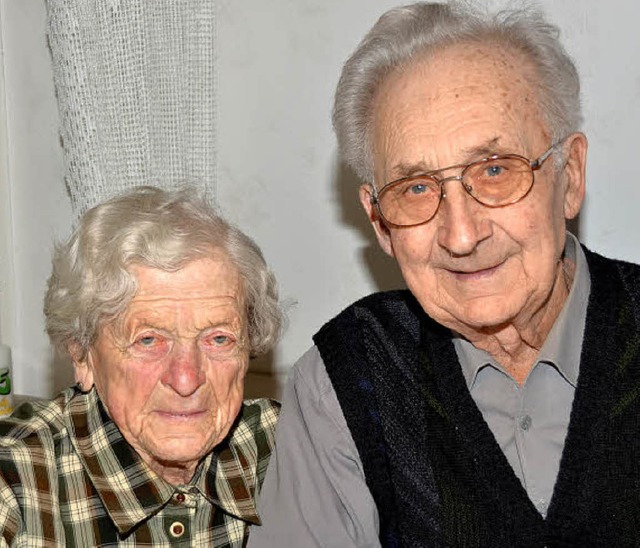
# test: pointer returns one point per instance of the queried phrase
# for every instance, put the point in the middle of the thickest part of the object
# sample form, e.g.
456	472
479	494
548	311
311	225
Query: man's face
170	370
473	267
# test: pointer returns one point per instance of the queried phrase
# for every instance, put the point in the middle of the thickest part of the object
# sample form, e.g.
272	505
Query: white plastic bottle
6	390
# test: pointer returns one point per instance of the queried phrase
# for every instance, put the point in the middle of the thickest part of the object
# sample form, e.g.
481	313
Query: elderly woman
160	304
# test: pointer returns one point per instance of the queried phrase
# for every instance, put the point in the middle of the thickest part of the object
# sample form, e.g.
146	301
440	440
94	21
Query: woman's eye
150	346
146	341
150	342
220	341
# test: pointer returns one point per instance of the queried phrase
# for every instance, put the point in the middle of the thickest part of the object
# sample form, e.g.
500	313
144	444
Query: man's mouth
473	274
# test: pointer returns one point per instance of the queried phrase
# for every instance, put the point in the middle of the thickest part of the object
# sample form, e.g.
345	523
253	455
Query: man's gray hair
406	33
90	282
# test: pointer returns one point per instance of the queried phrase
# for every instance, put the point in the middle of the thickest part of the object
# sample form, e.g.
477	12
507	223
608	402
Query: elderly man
160	303
494	403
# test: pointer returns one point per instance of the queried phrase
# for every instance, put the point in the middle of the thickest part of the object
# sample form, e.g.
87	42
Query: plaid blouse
69	478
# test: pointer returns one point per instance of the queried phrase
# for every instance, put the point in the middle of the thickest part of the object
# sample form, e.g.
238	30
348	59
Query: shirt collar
569	326
233	482
130	491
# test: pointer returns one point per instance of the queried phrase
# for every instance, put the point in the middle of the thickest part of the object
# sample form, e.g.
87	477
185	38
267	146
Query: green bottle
6	390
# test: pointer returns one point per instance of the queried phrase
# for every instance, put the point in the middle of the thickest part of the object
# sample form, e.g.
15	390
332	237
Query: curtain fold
135	83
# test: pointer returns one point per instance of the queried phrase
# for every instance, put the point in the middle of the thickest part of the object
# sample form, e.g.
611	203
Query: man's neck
515	345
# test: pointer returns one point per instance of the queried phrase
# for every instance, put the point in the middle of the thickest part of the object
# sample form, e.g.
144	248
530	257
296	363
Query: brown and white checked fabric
69	478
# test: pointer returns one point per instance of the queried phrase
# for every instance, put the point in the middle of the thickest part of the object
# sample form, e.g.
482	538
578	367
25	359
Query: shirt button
525	422
180	497
176	529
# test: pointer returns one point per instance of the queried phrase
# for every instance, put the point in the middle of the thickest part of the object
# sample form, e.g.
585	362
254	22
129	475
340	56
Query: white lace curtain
135	84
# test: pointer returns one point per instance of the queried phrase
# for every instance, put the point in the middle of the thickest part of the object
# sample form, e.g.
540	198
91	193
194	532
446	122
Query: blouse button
176	529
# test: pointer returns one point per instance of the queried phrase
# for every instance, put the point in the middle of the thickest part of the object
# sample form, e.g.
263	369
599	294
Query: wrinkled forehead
481	62
202	294
211	277
461	95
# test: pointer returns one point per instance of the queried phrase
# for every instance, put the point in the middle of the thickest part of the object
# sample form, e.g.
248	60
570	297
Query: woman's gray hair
90	282
407	33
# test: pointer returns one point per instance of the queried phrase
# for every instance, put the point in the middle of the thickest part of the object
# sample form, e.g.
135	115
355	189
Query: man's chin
480	315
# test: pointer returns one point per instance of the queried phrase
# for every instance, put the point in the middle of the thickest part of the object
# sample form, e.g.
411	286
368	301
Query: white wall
278	175
32	182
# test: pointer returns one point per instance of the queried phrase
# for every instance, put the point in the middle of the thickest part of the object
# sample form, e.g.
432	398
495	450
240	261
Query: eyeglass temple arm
373	195
537	163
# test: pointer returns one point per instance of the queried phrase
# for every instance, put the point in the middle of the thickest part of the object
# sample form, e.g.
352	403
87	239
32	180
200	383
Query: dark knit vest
433	467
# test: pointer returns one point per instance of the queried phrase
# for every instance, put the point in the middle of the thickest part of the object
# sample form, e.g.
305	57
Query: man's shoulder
608	272
386	307
382	299
595	259
386	318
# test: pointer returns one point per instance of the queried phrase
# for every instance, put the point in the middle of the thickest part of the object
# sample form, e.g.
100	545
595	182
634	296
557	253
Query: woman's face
170	370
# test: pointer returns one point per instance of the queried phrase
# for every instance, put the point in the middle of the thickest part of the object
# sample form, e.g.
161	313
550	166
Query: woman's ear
82	371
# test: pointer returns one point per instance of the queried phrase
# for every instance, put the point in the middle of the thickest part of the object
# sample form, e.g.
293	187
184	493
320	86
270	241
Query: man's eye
418	189
494	171
146	341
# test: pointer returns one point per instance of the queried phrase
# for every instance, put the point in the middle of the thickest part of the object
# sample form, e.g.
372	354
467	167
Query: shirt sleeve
314	494
10	521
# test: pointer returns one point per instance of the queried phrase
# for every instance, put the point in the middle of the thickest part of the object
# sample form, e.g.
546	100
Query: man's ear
575	150
82	371
382	232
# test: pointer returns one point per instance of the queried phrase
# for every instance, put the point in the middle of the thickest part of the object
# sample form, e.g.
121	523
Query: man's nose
184	371
462	223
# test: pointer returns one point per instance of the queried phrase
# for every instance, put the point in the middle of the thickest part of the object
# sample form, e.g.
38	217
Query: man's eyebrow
483	150
402	169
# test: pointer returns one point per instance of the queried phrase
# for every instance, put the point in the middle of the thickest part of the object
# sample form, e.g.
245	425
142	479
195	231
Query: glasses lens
409	201
498	181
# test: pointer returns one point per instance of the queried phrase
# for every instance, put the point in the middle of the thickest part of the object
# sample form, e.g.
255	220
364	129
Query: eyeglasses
497	181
